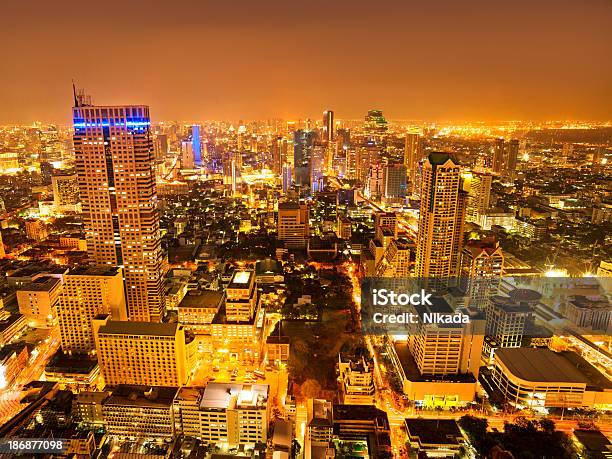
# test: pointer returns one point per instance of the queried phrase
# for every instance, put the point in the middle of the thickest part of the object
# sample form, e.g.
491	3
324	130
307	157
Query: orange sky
202	59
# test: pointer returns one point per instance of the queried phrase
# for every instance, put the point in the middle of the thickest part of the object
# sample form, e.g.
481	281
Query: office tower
114	157
482	265
89	292
303	143
512	151
187	155
351	163
287	177
293	227
375	184
241	297
317	166
497	164
279	154
441	218
232	413
196	144
38	300
65	192
160	146
328	126
412	156
447	349
375	123
395	183
36	230
367	155
506	321
478	186
144	353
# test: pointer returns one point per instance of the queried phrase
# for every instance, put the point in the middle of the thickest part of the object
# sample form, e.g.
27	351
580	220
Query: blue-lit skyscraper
114	156
196	142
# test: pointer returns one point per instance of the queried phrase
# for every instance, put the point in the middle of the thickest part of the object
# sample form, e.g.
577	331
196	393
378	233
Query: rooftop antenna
74	93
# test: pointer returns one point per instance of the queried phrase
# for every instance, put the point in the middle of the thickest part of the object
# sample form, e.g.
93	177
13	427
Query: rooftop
202	299
230	395
117	327
544	365
434	431
142	396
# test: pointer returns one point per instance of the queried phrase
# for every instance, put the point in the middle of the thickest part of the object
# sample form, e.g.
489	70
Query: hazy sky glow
414	59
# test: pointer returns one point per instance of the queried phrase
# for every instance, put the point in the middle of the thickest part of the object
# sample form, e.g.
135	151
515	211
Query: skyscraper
395	183
441	218
196	143
293	227
187	155
482	265
412	157
512	150
114	156
478	185
328	126
303	143
497	164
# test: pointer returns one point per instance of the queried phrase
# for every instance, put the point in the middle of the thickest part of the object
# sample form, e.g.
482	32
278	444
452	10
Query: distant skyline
436	60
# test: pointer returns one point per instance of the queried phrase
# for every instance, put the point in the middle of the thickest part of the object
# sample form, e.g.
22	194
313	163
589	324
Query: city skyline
441	62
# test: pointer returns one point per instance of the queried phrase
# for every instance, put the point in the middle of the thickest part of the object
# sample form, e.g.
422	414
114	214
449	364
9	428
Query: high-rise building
303	143
187	155
160	146
375	123
367	155
478	185
317	167
143	353
2	250
65	192
287	178
497	164
279	154
512	151
482	265
328	126
412	156
293	227
39	298
89	292
441	218
447	349
395	183
374	188
196	144
566	152
114	157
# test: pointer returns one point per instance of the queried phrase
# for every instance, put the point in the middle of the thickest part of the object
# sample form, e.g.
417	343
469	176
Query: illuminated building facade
441	218
114	157
143	353
88	293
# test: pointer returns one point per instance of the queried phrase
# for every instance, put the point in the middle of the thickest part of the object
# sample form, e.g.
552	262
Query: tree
310	388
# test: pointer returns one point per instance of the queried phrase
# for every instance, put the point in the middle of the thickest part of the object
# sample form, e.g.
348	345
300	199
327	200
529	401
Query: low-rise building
356	379
140	411
541	378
